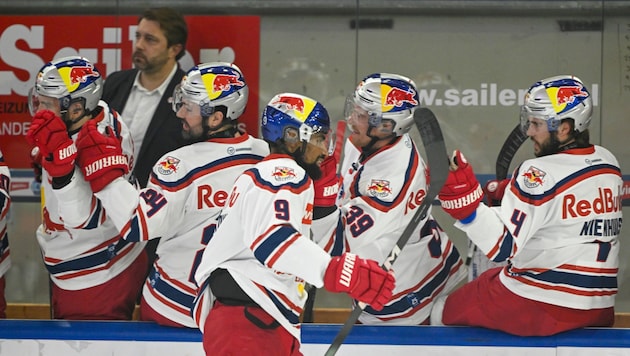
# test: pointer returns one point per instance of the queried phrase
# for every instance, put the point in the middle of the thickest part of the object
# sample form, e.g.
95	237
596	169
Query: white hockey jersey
83	249
558	224
185	193
263	241
379	198
5	203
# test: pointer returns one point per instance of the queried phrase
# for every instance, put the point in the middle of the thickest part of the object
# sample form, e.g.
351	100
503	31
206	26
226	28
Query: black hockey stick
438	161
511	145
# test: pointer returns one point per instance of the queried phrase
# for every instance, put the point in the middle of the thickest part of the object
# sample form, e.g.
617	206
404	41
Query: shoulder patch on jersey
168	165
533	177
379	188
282	174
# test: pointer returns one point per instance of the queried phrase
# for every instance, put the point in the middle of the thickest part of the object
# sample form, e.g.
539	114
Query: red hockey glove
461	194
494	190
364	280
327	187
100	156
49	133
36	164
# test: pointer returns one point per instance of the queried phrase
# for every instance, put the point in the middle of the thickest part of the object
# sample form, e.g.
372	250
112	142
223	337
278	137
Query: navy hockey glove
49	133
100	156
364	280
461	194
327	187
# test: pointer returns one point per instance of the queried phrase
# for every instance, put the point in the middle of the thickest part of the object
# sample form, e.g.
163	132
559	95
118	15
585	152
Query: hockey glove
494	190
364	280
49	133
327	187
461	194
100	156
36	164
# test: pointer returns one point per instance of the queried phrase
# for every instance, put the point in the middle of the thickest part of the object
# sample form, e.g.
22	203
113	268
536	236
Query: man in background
142	95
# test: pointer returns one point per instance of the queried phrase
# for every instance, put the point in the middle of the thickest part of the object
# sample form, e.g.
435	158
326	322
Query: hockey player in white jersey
187	188
95	274
384	180
558	225
260	257
5	203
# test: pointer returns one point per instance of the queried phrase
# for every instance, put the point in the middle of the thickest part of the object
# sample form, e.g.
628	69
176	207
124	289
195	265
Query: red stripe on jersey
175	282
283	247
165	301
561	189
559	288
123	252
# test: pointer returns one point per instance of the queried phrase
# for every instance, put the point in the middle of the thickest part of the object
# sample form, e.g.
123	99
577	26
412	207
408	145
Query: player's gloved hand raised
494	190
461	194
100	156
327	187
49	133
364	280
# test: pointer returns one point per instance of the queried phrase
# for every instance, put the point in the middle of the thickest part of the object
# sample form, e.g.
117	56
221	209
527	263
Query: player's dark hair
582	139
172	24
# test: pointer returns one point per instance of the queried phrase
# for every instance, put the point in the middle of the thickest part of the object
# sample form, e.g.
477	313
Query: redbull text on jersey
606	202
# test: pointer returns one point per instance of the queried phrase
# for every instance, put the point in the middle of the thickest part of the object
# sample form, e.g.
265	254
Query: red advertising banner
28	42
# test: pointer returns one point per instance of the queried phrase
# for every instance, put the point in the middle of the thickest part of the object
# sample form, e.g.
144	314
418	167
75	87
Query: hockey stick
335	150
511	145
437	158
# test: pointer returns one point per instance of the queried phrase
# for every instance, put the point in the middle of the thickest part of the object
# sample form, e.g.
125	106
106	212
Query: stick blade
435	148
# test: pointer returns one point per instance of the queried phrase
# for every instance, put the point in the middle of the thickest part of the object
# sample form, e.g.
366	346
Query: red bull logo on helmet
299	107
533	177
566	97
218	85
77	76
397	98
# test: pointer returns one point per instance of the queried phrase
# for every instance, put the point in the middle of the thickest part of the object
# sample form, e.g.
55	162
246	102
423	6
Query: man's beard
548	147
312	169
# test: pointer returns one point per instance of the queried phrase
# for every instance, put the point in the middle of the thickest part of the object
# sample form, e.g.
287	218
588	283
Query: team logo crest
282	174
168	165
379	188
533	177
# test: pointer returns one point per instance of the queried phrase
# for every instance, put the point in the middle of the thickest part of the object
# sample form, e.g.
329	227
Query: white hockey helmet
386	96
557	98
69	79
213	84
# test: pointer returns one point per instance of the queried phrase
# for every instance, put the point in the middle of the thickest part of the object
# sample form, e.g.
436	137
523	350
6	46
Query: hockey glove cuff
461	194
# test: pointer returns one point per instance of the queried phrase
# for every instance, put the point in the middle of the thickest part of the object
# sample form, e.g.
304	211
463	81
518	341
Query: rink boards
54	337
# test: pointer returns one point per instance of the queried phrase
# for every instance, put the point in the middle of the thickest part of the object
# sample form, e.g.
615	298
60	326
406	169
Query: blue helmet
293	111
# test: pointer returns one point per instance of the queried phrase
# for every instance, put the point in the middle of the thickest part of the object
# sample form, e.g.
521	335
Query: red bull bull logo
566	97
168	165
533	177
290	103
224	82
81	74
282	174
379	188
397	97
